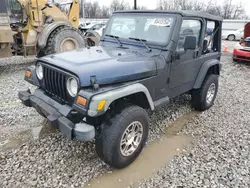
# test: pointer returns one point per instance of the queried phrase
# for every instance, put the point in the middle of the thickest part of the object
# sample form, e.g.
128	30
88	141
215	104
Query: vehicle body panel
108	65
242	54
247	30
6	36
238	34
242	50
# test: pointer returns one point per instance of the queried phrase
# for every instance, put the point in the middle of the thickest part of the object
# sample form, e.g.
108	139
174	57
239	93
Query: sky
151	4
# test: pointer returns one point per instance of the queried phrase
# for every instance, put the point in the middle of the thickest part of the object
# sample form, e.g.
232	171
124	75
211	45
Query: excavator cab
6	37
15	11
38	27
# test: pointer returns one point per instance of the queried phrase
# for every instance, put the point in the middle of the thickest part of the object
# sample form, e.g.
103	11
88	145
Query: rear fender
203	71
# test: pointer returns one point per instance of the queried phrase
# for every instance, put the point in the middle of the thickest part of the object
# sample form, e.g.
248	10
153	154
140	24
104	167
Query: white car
233	35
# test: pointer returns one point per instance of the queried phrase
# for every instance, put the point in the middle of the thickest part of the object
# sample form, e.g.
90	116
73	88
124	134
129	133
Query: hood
108	65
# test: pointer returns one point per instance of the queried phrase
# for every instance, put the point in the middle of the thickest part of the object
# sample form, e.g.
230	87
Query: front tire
123	136
203	98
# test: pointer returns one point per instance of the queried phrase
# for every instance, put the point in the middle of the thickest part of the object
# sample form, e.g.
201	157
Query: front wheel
203	98
123	136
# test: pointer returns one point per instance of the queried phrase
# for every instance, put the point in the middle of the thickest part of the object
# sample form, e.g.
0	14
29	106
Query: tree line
227	9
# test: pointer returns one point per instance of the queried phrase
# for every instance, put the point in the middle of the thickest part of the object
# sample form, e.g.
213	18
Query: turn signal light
82	101
101	105
27	74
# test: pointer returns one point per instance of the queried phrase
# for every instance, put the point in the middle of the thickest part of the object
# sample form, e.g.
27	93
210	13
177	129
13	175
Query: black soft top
186	13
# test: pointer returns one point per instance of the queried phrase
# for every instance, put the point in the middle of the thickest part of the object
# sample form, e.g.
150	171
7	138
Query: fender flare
203	72
44	35
115	94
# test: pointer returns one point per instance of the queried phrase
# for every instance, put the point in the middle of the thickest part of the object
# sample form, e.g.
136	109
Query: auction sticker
163	22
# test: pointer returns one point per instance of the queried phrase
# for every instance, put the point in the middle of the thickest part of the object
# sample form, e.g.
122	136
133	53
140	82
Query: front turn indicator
27	74
81	100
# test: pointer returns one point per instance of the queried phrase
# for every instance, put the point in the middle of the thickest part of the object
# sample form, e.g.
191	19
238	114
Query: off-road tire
107	142
199	95
58	35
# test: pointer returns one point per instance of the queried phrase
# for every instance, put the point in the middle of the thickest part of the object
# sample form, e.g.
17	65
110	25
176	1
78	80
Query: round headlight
72	86
39	71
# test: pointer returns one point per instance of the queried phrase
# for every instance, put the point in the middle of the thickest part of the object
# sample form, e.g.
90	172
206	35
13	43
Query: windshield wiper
142	41
115	37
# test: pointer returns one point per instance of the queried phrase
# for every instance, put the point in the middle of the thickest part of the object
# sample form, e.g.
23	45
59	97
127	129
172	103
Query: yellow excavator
36	27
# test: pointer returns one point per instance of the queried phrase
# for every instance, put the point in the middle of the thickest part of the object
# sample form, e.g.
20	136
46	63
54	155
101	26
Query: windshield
16	11
155	29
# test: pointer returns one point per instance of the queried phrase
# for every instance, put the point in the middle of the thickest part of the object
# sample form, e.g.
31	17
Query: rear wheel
64	39
231	37
203	98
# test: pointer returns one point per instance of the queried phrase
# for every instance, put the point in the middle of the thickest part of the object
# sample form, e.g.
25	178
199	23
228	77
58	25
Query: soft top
186	13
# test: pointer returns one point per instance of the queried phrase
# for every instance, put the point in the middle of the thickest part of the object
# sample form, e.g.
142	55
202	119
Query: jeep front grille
55	83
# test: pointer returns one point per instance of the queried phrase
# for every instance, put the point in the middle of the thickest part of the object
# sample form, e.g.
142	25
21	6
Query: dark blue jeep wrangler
144	59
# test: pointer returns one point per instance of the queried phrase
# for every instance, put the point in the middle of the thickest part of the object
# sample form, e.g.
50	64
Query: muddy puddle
32	134
153	157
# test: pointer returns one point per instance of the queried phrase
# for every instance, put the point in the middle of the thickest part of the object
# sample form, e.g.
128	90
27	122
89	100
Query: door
186	65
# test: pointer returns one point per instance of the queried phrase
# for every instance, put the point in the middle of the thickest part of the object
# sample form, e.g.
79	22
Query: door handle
175	56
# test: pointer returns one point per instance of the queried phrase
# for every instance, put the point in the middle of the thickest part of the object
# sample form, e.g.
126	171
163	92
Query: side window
208	40
212	42
189	28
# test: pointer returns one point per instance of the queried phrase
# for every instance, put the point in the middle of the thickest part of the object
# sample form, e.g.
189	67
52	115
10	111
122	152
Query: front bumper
57	115
242	55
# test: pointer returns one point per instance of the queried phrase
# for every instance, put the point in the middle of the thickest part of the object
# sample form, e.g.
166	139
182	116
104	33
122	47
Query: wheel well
231	35
215	69
139	99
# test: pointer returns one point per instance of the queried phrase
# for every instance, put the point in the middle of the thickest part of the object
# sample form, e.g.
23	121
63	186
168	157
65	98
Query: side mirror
190	43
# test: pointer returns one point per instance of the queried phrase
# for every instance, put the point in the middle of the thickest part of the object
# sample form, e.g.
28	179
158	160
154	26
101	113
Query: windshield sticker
163	22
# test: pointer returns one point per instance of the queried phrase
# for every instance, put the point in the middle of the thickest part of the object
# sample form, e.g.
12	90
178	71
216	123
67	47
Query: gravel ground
14	117
54	161
220	154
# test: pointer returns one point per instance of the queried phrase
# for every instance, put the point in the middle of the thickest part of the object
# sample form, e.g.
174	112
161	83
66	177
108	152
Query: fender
203	72
44	35
115	94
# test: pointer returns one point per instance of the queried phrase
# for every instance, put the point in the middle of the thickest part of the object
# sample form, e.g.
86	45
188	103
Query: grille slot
55	83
